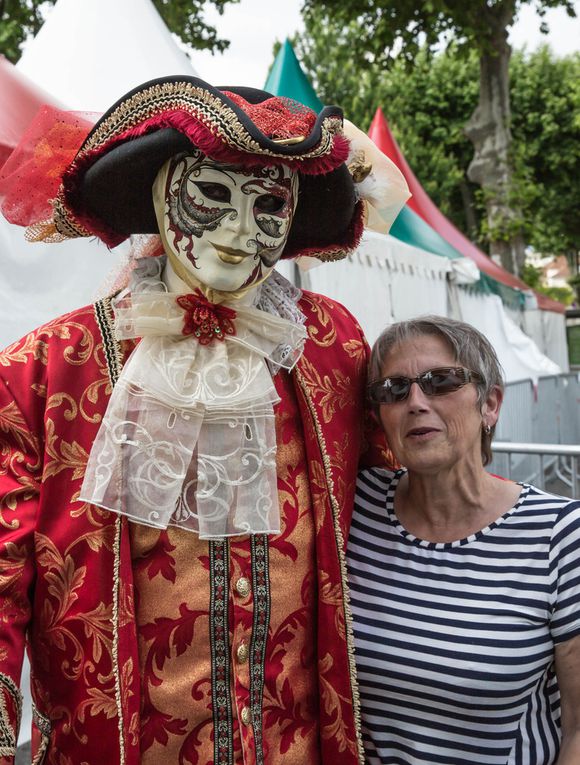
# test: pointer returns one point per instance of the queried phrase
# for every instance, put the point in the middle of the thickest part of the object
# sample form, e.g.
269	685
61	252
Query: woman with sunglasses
465	587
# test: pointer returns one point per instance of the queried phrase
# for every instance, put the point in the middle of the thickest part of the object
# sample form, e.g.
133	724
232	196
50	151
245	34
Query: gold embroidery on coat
22	462
31	345
331	394
325	319
104	317
64	455
8	733
45	727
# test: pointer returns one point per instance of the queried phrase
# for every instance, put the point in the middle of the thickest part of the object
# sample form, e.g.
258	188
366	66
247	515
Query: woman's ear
491	406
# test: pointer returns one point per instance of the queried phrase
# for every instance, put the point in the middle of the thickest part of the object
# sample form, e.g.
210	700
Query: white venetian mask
226	225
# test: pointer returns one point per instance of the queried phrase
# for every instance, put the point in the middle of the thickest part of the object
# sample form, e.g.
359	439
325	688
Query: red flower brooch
206	321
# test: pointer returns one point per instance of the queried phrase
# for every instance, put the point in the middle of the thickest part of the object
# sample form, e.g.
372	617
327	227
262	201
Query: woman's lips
422	433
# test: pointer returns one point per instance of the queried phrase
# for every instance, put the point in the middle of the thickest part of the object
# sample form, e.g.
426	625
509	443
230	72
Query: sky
253	26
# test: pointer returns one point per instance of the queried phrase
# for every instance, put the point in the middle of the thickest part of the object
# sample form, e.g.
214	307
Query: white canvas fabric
90	53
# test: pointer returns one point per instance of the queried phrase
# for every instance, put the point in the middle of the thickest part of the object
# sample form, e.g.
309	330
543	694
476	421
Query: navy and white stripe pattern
455	641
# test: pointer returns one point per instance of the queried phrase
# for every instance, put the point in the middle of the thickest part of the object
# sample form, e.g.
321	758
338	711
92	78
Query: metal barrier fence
544	414
563	455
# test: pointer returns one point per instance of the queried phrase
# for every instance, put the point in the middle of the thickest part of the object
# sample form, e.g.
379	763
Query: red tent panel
421	203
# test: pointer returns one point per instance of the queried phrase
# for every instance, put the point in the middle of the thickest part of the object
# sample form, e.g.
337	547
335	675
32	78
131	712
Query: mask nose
243	226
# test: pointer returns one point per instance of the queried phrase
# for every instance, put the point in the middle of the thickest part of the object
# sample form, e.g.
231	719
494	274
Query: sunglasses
434	382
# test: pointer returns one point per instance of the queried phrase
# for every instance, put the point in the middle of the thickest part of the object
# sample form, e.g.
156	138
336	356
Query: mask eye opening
270	203
217	192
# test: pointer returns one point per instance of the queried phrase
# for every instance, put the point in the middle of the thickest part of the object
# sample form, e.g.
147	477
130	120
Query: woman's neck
452	503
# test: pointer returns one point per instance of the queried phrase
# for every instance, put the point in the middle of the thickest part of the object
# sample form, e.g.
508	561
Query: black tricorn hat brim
108	188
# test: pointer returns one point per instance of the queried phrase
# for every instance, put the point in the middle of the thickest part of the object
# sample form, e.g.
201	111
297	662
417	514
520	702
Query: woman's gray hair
470	348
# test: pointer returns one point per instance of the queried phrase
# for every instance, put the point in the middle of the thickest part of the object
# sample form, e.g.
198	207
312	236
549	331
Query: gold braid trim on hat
44	231
222	120
329	255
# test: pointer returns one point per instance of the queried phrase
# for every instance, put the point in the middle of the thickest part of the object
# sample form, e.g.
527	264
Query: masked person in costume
177	462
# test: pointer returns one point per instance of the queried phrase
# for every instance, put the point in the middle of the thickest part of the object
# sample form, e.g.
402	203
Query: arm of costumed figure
20	470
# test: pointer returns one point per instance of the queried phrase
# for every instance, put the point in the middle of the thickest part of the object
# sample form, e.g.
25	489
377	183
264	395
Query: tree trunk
468	202
489	131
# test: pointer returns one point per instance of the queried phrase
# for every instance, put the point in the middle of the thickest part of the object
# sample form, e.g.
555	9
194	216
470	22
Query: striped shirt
455	641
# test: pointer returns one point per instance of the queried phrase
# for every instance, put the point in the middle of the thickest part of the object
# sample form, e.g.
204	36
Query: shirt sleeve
565	568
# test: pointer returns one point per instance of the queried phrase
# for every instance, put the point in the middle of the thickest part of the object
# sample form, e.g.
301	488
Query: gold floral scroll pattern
63	455
22	461
324	335
60	621
338	457
35	343
59	399
101	385
329	394
330	593
12	566
357	350
333	702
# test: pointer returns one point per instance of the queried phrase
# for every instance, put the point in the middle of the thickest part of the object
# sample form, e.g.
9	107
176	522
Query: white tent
89	53
41	281
387	281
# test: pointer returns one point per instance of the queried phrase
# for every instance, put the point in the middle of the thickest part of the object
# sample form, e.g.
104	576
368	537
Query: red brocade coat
66	568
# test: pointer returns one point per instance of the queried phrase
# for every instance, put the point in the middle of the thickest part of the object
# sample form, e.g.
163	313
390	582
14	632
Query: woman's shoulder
377	480
562	511
541	497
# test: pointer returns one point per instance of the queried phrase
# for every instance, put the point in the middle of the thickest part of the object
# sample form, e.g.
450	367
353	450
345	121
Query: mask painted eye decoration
227	224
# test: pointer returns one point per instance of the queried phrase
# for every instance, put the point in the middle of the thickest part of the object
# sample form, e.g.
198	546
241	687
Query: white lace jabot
188	438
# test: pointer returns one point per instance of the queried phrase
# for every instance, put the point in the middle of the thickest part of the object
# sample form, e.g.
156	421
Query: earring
487	429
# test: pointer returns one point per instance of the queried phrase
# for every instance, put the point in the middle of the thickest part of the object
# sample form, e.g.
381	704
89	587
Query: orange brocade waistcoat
66	569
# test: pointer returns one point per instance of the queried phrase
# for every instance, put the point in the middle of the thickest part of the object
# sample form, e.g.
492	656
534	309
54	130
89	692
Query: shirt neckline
394	520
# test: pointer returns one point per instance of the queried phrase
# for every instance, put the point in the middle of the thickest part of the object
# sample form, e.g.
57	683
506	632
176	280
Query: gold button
243	587
246	715
242	653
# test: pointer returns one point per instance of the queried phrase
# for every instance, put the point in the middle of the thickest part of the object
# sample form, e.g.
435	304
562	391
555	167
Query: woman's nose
417	400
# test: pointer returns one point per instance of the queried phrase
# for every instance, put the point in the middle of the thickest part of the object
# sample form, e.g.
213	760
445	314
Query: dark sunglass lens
445	381
399	388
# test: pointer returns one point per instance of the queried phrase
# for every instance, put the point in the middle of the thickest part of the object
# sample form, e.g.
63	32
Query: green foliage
574	282
532	276
18	19
427	107
545	97
185	18
389	28
362	50
563	295
21	18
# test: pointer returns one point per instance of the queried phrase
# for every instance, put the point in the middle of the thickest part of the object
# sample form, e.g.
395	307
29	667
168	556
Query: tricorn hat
106	189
